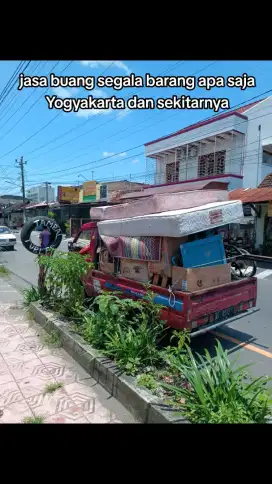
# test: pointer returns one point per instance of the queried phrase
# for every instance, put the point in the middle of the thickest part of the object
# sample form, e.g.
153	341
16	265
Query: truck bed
190	310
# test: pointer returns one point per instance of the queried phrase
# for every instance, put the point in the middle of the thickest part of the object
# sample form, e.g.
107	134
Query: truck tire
53	227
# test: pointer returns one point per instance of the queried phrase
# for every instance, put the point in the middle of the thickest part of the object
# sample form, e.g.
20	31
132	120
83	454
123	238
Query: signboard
269	209
89	191
68	194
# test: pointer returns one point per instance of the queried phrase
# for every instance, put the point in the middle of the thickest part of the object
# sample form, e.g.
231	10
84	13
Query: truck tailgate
220	303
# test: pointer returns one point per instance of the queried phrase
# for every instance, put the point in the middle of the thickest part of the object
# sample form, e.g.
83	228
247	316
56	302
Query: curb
145	407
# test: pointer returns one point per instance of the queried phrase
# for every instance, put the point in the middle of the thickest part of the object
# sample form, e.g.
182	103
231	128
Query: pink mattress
158	203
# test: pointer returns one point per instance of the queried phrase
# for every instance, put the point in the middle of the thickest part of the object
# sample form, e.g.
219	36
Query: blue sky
54	156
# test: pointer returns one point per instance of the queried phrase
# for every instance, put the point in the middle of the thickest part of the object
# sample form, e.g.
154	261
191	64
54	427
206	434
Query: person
44	238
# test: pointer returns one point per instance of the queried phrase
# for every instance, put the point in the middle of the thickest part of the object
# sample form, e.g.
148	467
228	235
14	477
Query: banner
68	194
89	191
269	209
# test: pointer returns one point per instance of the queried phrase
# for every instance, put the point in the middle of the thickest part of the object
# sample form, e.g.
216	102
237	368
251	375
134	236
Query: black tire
53	227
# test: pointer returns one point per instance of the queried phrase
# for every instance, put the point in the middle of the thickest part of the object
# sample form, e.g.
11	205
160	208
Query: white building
38	194
233	147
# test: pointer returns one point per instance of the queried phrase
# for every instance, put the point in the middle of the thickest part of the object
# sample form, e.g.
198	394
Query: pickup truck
198	312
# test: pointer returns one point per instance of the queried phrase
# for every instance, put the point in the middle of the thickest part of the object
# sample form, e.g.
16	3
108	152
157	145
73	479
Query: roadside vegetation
4	272
205	389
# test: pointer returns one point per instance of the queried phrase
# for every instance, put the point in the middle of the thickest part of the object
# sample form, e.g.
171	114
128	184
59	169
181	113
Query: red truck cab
198	311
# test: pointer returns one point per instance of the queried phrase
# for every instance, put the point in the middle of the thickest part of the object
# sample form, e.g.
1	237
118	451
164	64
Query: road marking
244	344
264	274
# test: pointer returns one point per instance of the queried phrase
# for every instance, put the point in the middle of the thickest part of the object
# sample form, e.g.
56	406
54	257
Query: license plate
225	314
3	241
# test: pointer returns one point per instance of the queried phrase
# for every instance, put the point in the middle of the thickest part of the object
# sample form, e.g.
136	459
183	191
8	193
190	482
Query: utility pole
21	164
46	191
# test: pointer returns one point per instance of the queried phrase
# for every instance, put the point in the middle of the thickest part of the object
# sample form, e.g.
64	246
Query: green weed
216	391
31	295
39	419
52	387
148	381
52	339
4	271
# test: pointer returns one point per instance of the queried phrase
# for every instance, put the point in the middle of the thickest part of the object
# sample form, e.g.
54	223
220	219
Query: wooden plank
164	281
156	279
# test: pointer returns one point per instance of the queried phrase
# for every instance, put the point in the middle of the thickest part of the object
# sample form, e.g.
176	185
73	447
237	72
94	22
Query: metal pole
259	157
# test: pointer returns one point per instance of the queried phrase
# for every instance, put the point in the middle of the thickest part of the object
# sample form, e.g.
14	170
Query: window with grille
212	164
103	191
172	172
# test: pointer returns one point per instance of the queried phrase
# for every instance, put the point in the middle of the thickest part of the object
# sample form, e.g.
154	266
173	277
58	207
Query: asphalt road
249	337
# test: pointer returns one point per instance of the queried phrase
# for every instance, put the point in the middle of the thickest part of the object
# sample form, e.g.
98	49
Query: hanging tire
52	226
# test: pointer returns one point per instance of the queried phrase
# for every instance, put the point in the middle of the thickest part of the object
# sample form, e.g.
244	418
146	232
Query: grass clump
38	419
52	339
31	295
52	387
4	272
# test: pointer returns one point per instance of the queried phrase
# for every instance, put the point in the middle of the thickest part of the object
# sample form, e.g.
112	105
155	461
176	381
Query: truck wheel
54	229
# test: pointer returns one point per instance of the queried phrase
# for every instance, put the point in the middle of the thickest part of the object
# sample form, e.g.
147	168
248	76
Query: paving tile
19	356
63	419
64	371
36	345
5	375
7	345
7	331
83	396
25	369
32	332
50	404
16	412
9	393
34	385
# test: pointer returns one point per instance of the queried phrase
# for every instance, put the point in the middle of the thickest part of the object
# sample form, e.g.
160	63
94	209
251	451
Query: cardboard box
134	269
170	247
104	264
196	279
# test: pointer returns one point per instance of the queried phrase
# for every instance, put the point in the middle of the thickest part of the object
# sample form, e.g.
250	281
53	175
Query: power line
89	120
15	73
121	152
21	105
42	95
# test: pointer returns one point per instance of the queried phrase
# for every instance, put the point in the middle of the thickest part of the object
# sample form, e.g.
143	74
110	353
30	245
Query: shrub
31	295
127	331
63	281
217	392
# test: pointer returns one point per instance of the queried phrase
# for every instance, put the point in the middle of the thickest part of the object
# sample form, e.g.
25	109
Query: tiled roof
251	195
267	182
239	112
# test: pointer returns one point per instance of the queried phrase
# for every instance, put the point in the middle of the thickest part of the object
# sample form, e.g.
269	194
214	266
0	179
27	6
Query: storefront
260	201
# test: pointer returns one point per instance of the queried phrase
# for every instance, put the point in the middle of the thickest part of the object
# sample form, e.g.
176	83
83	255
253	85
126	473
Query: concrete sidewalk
28	365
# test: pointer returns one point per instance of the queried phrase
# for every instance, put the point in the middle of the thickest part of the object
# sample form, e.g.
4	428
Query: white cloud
111	153
61	92
86	113
93	64
108	153
135	161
